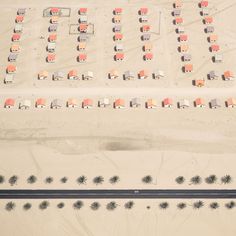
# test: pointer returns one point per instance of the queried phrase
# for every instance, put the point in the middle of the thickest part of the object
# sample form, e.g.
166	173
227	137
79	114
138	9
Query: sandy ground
130	143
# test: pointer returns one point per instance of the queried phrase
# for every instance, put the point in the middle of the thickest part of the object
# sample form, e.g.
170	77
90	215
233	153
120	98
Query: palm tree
180	180
2	179
95	206
10	206
13	180
82	179
78	204
27	206
129	205
196	179
44	205
211	179
60	205
230	205
214	205
164	205
98	180
32	179
181	205
227	179
114	179
49	180
64	179
198	204
147	179
111	206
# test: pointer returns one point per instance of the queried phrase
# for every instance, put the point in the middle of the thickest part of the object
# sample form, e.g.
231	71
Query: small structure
183	48
178	21
9	78
213	75
18	28
40	103
88	75
209	29
82	57
205	12
146	37
187	57
199	82
19	19
145	28
113	74
180	30
83	11
52	28
83	28
119	47
118	37
12	57
51	57
213	38
51	47
199	102
188	68
15	48
119	103
83	19
158	74
183	37
135	102
117	28
231	102
178	4
11	69
119	56
116	19
218	58
167	102
16	37
81	46
184	103
104	102
55	11
54	20
143	11
21	11
176	12
73	75
214	48
204	4
143	19
208	20
43	75
117	11
9	103
214	103
58	75
87	103
56	104
24	105
147	47
228	75
128	75
148	56
83	38
72	103
52	38
143	74
151	103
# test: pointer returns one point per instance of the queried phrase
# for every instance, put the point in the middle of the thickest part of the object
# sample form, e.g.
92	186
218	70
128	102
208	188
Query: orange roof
113	72
41	102
143	10
87	102
151	102
178	20
199	101
199	82
118	36
72	102
51	57
208	19
10	102
143	73
147	46
146	27
15	47
188	67
83	27
19	18
184	47
213	37
82	45
11	68
228	74
119	102
231	102
52	37
43	73
119	56
54	19
73	73
167	101
15	37
117	18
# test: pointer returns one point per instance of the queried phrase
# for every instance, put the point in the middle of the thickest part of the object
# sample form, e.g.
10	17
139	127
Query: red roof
15	37
51	57
10	102
118	10
146	27
119	102
199	101
188	67
72	73
83	27
11	68
143	73
208	19
19	18
228	74
167	101
55	10
41	102
118	36
148	56
215	47
119	56
183	37
87	102
83	10
178	20
204	3
52	37
82	57
143	10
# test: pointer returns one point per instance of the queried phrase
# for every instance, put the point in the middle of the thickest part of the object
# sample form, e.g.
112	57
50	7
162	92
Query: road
118	194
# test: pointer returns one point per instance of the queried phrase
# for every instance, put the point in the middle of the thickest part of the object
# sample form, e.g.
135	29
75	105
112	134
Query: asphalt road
118	194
